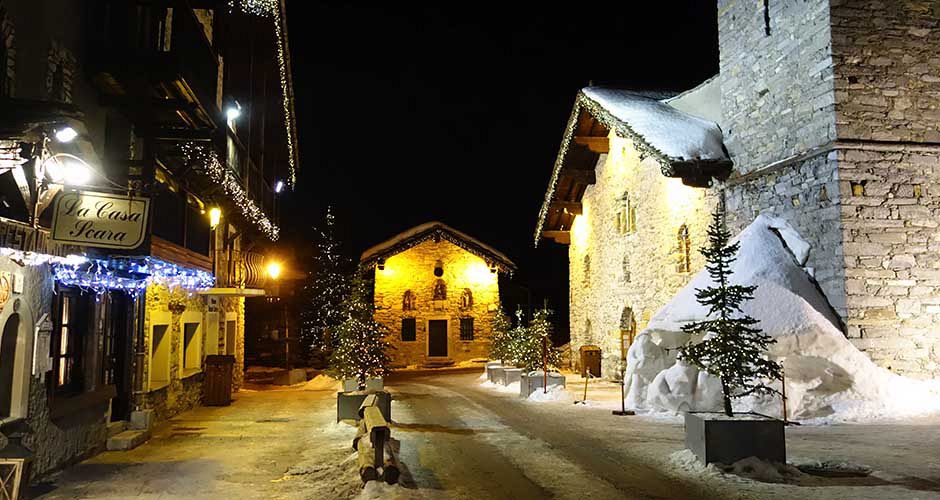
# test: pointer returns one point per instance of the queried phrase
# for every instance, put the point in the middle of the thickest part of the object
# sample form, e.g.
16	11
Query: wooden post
390	469
783	386
366	459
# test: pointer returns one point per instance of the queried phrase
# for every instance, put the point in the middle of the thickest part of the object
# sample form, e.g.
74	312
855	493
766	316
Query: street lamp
64	168
273	269
215	216
66	134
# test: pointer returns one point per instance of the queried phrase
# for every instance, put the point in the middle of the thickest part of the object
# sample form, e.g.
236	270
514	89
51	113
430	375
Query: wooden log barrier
377	427
370	400
361	432
390	469
366	458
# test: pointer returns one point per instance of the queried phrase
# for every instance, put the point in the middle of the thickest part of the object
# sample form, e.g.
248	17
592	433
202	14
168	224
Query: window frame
464	335
69	380
414	330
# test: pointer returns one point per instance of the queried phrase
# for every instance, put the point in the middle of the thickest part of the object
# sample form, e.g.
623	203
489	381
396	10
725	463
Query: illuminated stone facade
638	267
409	289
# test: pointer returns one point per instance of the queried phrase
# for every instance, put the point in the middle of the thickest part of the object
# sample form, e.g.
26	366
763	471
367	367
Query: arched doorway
8	343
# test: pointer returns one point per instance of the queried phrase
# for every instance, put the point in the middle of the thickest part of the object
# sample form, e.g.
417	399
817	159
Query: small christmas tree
536	349
325	291
501	340
362	351
732	348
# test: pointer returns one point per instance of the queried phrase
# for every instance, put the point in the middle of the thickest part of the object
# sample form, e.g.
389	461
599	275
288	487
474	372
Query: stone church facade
828	113
437	291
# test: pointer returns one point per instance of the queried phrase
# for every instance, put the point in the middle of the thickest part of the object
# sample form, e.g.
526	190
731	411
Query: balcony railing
235	269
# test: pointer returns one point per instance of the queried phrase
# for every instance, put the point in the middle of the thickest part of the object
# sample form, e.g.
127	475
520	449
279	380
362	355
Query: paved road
478	443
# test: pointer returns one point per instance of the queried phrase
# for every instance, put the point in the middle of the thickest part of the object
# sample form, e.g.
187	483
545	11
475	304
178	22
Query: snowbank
827	378
554	393
511	388
323	383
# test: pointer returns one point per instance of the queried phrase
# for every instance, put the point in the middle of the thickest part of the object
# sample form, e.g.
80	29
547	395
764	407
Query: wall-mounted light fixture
64	168
215	216
65	134
278	186
273	269
380	264
232	112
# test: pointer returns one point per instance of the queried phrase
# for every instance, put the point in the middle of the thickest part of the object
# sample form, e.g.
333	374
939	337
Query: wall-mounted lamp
278	186
233	111
64	168
273	269
65	134
380	264
215	216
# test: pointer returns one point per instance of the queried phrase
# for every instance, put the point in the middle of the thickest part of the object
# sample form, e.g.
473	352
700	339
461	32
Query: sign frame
132	202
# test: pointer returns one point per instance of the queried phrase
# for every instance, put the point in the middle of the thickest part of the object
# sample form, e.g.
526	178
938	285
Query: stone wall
777	89
886	56
184	391
806	194
610	271
413	270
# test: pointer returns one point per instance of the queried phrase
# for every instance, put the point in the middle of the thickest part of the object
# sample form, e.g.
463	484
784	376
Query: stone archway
9	359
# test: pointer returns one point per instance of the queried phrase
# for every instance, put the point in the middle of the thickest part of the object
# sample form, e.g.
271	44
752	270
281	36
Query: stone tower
831	112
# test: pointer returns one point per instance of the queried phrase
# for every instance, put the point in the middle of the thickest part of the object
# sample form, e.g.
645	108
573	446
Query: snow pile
511	388
678	135
323	383
750	468
827	378
554	393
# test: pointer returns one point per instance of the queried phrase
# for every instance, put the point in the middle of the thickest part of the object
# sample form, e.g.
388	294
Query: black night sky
454	112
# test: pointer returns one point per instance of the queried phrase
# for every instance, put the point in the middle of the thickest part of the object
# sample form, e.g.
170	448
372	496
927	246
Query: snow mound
554	393
676	134
323	383
751	468
511	388
827	378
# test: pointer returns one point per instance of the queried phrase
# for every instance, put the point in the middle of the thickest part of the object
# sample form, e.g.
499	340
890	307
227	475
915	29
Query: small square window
466	328
408	329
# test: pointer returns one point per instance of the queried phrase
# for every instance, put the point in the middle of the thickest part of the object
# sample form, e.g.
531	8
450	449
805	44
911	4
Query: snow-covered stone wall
610	269
413	270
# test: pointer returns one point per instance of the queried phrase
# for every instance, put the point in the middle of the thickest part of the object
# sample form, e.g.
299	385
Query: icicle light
132	275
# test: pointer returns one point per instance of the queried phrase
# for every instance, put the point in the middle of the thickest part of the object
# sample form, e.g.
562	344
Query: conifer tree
536	345
362	350
501	340
325	291
733	348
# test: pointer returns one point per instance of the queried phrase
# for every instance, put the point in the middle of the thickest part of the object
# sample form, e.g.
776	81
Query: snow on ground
748	468
827	378
323	383
554	393
512	388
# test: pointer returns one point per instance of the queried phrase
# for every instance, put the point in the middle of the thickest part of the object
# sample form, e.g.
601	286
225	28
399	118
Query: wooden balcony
235	269
154	61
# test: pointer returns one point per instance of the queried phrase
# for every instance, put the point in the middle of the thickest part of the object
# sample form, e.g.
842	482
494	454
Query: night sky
454	112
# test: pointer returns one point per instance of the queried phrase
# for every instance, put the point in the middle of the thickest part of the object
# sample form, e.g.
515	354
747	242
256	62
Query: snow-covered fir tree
536	351
732	349
325	291
362	350
501	340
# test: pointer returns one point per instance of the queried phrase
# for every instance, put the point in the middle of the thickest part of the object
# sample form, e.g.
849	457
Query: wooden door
437	338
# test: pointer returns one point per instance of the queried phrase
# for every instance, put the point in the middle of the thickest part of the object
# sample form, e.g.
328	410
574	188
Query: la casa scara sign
100	219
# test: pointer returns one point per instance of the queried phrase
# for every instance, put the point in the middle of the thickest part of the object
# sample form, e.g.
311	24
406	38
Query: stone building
170	116
436	289
827	110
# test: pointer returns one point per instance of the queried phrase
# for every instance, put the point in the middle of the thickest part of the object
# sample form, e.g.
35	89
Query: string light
271	9
132	275
439	233
204	159
38	259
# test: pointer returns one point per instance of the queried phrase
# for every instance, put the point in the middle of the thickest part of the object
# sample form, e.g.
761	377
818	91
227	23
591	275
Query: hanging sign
100	219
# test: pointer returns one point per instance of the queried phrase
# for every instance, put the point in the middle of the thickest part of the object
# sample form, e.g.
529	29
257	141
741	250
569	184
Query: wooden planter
347	404
510	376
715	437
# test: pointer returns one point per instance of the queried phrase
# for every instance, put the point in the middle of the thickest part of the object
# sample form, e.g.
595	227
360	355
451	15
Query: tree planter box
489	367
494	374
510	375
529	384
348	403
715	437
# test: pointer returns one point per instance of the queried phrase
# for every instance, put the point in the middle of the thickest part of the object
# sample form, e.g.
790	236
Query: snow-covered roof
667	132
434	229
684	145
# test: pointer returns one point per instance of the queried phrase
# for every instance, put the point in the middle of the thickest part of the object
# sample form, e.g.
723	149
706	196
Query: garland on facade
38	259
203	158
440	233
131	275
271	9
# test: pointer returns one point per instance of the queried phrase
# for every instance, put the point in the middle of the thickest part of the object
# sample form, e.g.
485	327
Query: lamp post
273	270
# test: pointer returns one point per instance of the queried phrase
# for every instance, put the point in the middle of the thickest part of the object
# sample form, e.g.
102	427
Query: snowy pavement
460	439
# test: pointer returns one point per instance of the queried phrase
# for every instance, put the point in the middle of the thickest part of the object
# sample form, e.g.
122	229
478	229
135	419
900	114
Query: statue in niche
440	290
466	299
408	301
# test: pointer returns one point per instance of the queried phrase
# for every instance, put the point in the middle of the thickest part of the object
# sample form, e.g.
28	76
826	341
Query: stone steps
128	440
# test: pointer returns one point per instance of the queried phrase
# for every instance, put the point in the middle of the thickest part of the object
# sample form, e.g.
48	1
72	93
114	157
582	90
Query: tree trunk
726	398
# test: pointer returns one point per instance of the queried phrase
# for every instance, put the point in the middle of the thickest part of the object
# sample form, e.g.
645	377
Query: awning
233	292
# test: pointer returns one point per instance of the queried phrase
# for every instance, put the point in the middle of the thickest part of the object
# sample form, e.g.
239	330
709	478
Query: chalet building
823	114
142	149
437	290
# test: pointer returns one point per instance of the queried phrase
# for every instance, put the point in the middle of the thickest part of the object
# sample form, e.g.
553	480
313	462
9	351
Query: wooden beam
563	237
594	144
572	207
586	177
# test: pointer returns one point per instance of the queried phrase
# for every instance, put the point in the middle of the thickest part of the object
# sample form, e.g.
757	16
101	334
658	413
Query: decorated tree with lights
362	350
536	351
325	291
732	347
501	340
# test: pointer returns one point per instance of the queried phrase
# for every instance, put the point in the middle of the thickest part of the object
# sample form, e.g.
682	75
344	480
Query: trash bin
217	388
590	360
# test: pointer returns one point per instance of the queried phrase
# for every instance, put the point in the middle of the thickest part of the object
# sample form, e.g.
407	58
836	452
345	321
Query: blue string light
131	275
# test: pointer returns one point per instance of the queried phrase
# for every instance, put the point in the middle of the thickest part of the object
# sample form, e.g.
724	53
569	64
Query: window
159	356
625	265
626	215
587	270
408	329
627	330
466	329
70	327
684	250
192	346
